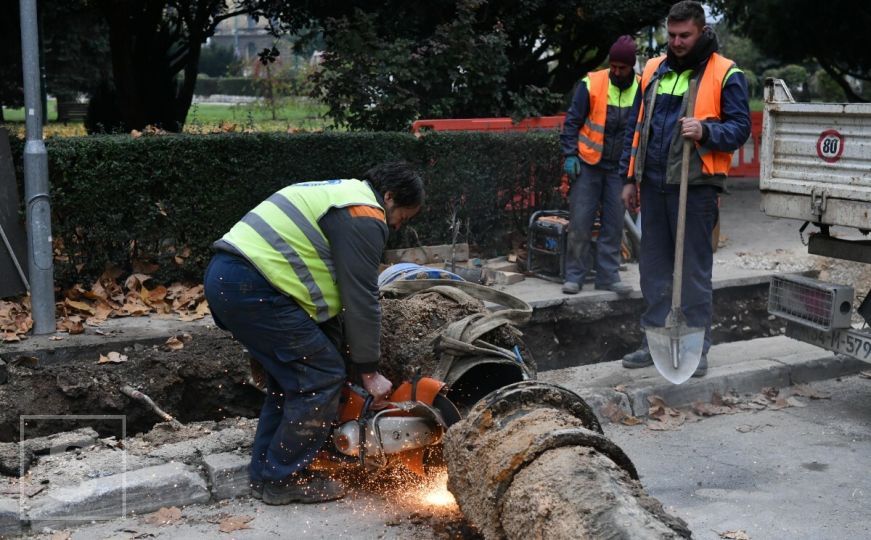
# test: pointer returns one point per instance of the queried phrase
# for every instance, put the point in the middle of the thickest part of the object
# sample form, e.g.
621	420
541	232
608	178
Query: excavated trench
208	378
572	335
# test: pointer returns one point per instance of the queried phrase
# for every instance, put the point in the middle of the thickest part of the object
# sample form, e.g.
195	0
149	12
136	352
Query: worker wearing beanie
592	143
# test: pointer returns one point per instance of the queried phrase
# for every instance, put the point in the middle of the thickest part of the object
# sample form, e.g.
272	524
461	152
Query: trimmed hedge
165	199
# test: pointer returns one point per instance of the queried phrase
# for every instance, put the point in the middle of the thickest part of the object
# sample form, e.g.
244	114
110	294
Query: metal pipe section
39	245
530	461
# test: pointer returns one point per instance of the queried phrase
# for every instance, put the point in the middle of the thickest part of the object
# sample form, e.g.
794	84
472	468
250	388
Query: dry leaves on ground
234	523
14	319
177	342
112	358
663	417
164	516
615	413
107	298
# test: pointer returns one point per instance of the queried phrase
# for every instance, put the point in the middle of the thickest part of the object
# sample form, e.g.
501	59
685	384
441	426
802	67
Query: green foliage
388	63
824	88
216	61
117	199
833	33
795	77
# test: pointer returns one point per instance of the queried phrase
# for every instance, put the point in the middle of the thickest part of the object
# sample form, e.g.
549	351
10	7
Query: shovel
676	348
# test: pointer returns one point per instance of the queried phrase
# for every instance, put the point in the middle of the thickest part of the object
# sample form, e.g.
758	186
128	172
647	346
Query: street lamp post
39	245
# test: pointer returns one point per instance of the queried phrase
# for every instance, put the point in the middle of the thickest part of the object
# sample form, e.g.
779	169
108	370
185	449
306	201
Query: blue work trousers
659	206
595	187
305	369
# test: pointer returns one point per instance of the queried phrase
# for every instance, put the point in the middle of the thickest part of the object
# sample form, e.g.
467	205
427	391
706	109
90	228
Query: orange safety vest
591	137
706	107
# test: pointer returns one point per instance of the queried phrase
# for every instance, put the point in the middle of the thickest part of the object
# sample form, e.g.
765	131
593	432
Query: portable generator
547	245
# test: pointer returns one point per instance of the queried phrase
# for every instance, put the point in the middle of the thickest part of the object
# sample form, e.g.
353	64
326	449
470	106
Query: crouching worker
278	282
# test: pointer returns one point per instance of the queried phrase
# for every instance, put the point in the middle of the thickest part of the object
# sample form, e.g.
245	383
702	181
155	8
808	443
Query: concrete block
228	475
599	398
10	522
136	492
744	378
502	278
61	442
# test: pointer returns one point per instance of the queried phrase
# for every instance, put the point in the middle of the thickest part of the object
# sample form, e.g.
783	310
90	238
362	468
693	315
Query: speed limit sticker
830	146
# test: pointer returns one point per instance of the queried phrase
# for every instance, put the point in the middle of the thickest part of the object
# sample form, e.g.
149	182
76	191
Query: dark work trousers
594	187
305	370
659	206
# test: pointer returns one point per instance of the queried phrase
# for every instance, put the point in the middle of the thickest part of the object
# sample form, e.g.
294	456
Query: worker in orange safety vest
592	143
651	164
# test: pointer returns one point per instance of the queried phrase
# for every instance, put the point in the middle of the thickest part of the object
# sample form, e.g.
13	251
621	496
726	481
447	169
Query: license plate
846	341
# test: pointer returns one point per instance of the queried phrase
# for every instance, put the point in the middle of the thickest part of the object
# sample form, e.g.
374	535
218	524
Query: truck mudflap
847	341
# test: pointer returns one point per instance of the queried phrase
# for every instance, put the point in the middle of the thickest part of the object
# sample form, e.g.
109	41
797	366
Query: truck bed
815	160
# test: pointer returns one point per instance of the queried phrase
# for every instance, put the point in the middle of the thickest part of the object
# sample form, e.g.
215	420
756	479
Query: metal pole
36	180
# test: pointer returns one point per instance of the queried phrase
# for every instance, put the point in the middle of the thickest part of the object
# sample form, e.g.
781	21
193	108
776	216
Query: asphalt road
799	472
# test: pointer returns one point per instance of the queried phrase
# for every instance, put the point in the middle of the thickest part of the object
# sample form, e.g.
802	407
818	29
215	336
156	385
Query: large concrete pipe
530	461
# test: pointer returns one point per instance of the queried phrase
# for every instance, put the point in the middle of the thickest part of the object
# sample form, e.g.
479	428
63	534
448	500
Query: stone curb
136	492
746	377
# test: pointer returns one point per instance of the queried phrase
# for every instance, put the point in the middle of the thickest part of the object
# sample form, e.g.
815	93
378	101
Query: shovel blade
676	351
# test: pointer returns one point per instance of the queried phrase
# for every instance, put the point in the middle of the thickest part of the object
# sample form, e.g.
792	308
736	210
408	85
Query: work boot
570	287
256	490
618	287
638	359
702	370
304	487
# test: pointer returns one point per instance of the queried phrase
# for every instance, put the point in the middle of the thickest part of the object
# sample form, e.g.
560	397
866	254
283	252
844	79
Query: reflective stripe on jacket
705	162
603	94
282	238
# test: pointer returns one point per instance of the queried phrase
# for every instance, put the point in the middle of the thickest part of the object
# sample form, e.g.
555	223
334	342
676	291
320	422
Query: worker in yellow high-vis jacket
279	280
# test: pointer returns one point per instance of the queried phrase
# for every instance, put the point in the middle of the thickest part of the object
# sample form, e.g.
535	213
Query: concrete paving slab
228	475
111	497
10	522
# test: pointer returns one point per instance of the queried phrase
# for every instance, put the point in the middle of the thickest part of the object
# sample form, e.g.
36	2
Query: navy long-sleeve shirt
725	135
356	245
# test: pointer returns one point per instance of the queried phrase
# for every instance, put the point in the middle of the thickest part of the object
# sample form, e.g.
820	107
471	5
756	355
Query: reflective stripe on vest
282	238
591	138
706	107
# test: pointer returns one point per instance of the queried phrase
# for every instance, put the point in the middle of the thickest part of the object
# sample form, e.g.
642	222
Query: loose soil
206	380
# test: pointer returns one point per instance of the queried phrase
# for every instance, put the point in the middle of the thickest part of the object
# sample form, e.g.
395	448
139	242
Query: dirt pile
205	380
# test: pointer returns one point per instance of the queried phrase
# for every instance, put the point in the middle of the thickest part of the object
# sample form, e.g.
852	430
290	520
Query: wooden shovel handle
682	207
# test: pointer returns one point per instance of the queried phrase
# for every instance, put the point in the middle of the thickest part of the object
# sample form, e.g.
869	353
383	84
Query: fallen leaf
710	409
164	516
79	306
174	344
234	523
631	421
620	388
613	412
734	535
865	374
55	338
112	358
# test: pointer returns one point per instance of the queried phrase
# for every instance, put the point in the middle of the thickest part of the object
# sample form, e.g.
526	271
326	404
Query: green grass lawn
293	113
17	115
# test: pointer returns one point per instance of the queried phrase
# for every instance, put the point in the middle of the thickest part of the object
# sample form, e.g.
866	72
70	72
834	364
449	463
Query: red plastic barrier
744	163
